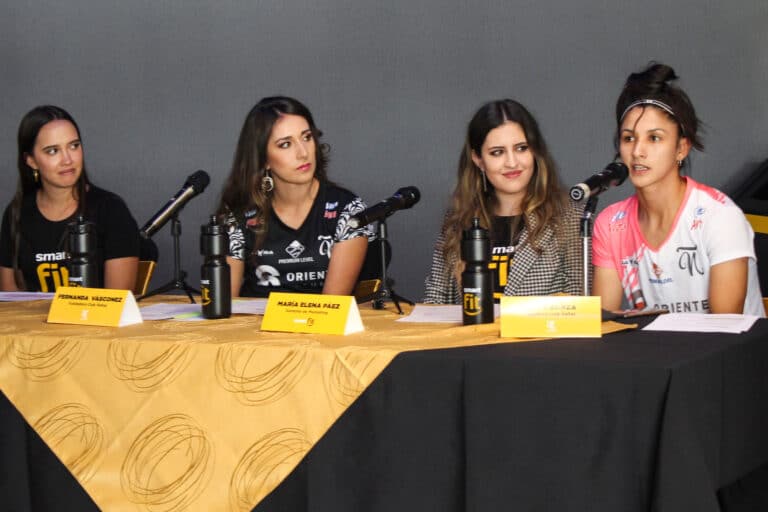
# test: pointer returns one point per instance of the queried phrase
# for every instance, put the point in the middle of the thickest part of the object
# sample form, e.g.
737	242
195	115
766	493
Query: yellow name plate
301	312
550	316
94	306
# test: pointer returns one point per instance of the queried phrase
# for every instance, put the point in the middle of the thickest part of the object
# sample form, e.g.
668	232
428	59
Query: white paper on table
24	296
445	314
694	322
164	311
249	306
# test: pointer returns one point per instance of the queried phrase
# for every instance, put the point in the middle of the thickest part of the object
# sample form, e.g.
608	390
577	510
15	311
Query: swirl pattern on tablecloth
258	375
347	377
168	465
265	464
45	356
146	366
75	435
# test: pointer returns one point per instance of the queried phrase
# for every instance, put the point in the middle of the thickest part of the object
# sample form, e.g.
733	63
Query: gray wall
160	89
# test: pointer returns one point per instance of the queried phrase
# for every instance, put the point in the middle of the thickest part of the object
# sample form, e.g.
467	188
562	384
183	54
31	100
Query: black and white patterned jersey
295	260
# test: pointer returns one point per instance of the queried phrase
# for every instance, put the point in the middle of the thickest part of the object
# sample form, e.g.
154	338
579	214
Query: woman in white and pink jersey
676	243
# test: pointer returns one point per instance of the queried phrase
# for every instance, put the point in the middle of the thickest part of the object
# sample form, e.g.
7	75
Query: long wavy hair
544	200
242	191
657	82
29	128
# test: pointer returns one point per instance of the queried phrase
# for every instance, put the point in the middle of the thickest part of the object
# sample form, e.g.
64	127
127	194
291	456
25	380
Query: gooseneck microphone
613	175
194	185
403	199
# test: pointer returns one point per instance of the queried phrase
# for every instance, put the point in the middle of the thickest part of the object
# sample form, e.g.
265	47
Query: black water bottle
82	254
476	280
215	286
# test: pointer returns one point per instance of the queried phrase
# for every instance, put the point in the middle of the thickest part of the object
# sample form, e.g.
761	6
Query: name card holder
550	316
312	313
94	306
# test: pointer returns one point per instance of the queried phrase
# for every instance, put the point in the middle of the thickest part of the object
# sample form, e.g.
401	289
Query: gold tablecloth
170	416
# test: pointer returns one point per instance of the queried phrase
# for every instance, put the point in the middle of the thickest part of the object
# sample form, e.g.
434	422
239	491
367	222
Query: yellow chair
143	276
366	288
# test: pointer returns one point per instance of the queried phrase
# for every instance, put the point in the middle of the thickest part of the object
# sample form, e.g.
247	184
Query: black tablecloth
633	421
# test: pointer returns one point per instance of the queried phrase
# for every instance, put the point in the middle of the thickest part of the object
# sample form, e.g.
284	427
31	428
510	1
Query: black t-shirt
505	236
295	260
43	243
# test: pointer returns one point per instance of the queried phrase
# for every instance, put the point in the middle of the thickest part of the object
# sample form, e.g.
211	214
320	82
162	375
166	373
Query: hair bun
653	79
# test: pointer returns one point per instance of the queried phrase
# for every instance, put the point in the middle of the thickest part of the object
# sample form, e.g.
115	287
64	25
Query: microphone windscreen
410	195
198	181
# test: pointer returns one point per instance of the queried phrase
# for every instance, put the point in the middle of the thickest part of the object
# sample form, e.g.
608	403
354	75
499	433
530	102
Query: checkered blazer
556	269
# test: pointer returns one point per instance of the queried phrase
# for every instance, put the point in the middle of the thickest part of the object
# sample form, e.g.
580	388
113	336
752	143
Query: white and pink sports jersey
709	229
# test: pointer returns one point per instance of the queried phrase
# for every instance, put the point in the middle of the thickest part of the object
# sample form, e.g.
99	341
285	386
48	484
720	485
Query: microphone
613	175
403	199
194	185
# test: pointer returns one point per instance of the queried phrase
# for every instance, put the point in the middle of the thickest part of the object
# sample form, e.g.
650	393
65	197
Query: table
632	421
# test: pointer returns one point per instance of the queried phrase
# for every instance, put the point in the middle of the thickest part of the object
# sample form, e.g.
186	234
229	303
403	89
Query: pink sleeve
601	243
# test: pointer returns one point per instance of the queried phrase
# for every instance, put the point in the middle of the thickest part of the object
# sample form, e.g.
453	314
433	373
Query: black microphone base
383	295
176	284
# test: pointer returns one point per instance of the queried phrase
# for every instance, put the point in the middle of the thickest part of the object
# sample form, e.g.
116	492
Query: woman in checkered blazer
508	180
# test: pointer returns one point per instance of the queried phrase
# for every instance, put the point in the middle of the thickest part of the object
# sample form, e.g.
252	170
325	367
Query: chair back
143	277
148	256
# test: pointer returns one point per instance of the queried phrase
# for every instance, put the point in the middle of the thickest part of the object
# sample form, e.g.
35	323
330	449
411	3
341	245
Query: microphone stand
385	291
178	282
585	231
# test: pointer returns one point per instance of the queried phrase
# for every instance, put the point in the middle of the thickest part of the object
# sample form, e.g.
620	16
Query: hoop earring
679	163
36	175
267	183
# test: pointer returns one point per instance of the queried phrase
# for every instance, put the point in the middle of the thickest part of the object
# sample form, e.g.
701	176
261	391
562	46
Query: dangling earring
267	183
36	175
679	163
485	181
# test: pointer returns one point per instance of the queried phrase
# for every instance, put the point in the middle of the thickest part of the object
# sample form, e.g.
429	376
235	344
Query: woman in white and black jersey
288	224
507	179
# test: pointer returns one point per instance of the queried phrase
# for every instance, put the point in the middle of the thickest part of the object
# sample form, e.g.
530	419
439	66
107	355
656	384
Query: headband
656	103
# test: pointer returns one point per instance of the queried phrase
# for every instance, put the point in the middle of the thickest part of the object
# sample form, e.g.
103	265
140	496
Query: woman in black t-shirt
53	189
288	225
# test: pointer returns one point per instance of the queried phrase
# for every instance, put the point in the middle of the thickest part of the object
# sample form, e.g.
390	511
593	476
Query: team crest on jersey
267	275
295	249
698	213
618	222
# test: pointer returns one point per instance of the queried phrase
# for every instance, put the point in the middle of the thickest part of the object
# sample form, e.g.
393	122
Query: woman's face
650	146
291	151
57	154
507	160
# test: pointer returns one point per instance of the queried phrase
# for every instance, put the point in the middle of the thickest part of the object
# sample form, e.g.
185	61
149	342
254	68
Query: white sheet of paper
24	296
693	322
249	306
165	311
443	313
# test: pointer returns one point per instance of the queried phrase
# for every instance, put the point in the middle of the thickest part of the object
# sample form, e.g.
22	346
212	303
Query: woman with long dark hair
675	243
508	179
53	190
288	224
